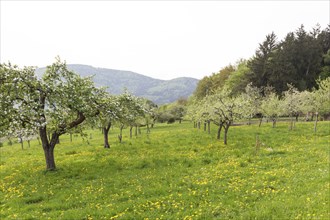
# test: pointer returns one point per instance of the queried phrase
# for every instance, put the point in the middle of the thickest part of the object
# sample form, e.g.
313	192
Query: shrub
164	117
171	121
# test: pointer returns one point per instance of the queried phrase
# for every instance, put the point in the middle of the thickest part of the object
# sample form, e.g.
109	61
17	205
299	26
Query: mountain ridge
157	90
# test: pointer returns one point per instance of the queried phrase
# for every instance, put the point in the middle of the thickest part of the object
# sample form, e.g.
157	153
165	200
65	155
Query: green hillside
158	91
175	172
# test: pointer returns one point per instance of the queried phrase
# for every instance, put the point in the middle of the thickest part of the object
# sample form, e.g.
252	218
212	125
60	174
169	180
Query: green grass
175	172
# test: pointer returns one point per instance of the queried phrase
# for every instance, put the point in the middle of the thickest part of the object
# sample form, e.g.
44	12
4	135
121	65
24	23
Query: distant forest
300	59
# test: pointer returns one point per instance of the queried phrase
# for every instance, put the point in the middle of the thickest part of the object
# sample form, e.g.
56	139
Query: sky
160	39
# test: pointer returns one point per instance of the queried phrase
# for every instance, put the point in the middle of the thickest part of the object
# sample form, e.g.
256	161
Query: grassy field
175	172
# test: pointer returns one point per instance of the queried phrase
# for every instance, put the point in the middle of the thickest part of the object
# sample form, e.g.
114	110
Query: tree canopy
299	60
52	105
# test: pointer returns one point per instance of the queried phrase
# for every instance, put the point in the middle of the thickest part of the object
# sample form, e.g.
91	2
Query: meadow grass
175	172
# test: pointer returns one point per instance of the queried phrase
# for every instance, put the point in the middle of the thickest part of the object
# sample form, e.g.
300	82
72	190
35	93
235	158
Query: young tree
150	113
56	103
321	99
291	104
253	99
227	108
192	110
272	106
209	111
178	111
108	115
203	113
130	109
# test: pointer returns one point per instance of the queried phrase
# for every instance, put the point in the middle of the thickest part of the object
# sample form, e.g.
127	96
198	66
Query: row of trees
223	108
284	75
299	59
60	102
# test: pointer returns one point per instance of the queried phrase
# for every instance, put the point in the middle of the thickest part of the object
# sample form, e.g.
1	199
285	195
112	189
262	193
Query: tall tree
203	88
260	65
239	78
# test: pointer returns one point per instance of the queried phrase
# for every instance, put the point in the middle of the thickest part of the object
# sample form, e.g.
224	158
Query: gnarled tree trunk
106	135
219	130
227	125
48	147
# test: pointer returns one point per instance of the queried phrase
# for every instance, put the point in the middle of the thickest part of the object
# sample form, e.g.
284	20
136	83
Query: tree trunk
225	136
274	122
204	125
315	123
105	137
219	130
208	126
260	120
106	140
148	129
130	131
21	141
70	137
180	121
136	130
50	160
120	136
28	143
48	147
139	129
291	123
199	125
